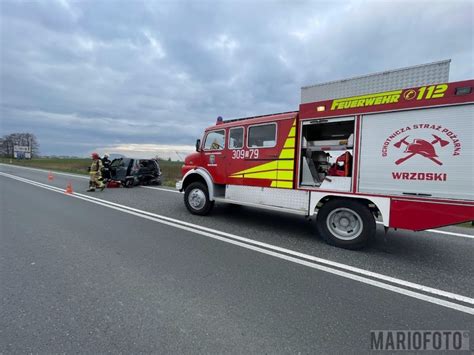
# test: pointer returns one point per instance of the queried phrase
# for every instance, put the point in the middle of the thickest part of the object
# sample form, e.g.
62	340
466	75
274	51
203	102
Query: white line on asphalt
161	189
450	233
46	171
295	253
470	236
245	243
82	176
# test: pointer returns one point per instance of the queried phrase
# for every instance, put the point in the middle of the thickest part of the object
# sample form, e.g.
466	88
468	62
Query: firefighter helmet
420	146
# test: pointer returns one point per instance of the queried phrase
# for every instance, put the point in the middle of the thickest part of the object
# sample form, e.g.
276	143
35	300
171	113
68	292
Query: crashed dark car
131	172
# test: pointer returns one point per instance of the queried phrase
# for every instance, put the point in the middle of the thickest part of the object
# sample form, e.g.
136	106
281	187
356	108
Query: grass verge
466	225
171	170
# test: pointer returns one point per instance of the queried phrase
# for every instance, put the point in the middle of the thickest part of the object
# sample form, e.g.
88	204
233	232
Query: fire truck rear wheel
196	199
345	223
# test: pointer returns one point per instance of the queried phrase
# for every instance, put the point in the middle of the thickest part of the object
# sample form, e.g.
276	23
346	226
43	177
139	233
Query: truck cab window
215	140
236	138
262	136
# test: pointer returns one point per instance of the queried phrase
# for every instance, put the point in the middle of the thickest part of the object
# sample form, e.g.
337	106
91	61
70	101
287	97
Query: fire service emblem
434	144
421	147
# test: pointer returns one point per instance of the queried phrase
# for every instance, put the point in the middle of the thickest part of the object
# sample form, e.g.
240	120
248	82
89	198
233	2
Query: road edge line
344	274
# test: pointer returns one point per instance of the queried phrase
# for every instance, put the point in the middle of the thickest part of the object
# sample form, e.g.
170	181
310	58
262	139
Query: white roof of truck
418	75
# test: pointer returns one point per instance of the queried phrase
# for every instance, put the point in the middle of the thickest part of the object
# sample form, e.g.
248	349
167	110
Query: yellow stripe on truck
290	143
285	175
264	167
287	153
280	171
285	164
282	184
270	175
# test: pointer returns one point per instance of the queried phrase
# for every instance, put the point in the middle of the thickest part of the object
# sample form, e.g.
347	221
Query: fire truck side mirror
198	145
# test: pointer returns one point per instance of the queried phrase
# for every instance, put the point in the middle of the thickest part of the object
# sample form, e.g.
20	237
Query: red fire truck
402	156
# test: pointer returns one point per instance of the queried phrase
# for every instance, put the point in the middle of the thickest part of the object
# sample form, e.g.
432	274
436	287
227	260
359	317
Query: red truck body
407	155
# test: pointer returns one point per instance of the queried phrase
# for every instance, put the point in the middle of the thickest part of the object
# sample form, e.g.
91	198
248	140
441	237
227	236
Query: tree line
8	142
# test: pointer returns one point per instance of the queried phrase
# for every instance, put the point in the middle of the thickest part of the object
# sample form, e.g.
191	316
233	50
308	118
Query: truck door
236	154
264	160
214	153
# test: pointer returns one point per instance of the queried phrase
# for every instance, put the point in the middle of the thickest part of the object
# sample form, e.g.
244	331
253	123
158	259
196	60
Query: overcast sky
149	76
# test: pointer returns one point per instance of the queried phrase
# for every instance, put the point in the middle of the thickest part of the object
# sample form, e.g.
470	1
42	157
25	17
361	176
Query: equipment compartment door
425	152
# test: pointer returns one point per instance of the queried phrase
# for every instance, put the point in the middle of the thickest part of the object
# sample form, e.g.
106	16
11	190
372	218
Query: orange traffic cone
68	188
50	176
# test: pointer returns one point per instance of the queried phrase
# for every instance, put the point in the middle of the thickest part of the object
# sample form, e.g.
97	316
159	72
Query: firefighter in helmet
106	167
95	172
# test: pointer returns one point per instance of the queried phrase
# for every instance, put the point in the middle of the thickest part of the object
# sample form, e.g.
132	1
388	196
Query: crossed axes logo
420	147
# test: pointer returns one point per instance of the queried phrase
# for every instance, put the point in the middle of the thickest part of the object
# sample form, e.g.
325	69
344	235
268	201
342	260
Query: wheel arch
199	175
378	205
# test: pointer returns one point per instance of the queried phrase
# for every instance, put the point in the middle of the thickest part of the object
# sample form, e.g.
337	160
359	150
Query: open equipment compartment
326	153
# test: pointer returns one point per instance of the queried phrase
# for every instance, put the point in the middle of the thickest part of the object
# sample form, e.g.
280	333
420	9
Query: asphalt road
79	276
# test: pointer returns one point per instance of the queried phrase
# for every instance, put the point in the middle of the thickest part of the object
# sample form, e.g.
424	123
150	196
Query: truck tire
196	199
345	223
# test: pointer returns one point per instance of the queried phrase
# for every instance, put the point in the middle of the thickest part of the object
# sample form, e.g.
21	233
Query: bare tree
3	151
8	142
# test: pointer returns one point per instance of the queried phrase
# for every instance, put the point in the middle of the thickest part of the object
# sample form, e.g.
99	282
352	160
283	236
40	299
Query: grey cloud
153	72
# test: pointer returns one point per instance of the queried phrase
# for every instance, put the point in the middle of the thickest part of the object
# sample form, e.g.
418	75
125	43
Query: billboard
21	152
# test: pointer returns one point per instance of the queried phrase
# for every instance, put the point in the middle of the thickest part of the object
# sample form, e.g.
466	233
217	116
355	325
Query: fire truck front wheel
345	223
196	199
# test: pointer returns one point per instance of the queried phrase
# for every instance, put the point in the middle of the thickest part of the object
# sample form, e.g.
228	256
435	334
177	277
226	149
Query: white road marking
161	189
276	252
449	233
81	176
436	231
46	171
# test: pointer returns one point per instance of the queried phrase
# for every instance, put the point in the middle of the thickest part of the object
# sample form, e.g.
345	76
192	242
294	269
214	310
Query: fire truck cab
404	157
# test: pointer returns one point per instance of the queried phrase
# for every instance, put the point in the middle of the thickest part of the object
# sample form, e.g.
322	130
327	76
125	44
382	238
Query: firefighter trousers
95	180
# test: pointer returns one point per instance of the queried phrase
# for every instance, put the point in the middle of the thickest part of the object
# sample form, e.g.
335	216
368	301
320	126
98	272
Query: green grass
171	170
77	166
466	225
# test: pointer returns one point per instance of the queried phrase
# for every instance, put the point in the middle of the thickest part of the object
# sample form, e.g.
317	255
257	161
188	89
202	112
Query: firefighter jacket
96	167
106	162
